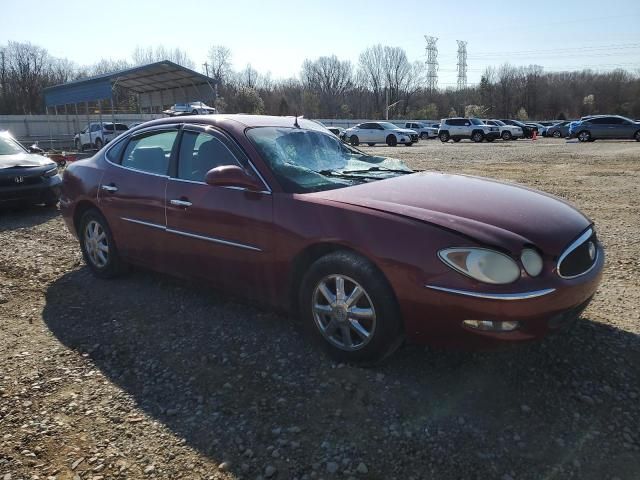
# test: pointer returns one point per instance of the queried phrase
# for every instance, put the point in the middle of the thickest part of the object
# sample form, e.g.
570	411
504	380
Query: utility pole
462	64
432	63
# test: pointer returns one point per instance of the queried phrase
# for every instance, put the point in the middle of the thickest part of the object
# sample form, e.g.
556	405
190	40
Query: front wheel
424	136
350	308
477	137
584	136
354	140
556	134
444	137
98	247
392	141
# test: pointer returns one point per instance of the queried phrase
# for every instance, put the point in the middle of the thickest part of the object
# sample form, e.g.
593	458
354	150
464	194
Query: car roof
248	121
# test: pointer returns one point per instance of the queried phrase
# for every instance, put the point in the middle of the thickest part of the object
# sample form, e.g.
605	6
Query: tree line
327	87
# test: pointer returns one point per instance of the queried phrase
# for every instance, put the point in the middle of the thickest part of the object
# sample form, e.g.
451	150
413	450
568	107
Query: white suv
97	134
380	132
457	129
507	132
424	131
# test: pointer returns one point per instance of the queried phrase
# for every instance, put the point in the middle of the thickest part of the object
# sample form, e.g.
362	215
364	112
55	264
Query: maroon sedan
365	250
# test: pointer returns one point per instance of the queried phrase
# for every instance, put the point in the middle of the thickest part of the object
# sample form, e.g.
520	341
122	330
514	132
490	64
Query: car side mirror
232	176
35	149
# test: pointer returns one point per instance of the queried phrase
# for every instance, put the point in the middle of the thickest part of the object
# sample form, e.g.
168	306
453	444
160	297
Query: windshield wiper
378	169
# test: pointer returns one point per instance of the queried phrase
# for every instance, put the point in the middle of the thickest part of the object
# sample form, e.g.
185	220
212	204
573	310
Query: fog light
491	326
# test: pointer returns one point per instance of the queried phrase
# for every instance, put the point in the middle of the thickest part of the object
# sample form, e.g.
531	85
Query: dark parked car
25	177
560	130
602	127
366	251
527	132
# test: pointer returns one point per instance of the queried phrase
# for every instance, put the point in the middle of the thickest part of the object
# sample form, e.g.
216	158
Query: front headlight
531	261
484	265
51	172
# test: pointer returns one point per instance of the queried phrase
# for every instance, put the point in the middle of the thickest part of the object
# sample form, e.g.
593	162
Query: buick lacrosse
363	249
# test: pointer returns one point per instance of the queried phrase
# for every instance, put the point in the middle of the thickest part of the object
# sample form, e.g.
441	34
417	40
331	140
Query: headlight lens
531	261
481	264
51	172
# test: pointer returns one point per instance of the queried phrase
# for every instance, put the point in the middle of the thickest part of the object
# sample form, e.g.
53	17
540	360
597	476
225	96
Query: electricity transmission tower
432	63
462	64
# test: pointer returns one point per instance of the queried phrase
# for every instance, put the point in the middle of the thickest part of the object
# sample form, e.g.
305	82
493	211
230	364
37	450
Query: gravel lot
153	377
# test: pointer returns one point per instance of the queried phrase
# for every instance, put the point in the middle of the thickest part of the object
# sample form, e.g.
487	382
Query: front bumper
48	190
437	317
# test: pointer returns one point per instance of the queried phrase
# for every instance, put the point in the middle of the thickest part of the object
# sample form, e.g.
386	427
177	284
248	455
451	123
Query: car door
219	233
364	132
132	193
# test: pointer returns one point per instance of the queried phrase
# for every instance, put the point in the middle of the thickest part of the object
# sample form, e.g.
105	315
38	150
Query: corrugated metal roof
154	77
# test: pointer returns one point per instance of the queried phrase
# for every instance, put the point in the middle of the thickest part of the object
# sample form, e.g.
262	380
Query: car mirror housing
232	176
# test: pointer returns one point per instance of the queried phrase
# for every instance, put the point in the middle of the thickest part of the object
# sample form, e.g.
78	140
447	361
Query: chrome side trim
495	296
192	235
578	242
146	224
214	240
230	187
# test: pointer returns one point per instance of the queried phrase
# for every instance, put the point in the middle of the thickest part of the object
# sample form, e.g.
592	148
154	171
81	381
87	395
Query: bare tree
142	56
219	59
328	78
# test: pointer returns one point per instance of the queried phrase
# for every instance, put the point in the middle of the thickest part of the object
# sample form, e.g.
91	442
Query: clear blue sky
277	36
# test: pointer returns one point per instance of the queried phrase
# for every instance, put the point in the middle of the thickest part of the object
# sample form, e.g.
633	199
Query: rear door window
150	152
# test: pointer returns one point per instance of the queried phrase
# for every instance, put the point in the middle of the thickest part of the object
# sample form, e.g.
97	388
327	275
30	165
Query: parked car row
601	127
373	133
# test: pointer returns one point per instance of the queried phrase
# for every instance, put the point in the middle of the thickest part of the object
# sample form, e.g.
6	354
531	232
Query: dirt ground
152	377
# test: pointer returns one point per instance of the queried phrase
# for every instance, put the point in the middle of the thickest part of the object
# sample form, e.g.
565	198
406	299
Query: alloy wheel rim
96	244
343	312
584	136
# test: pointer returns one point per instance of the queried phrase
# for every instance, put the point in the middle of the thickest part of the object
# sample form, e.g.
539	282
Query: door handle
180	203
109	188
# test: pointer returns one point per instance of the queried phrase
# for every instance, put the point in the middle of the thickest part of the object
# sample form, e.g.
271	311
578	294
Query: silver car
559	130
603	127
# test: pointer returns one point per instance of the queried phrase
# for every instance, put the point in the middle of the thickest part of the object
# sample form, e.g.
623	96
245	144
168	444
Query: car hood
489	211
23	160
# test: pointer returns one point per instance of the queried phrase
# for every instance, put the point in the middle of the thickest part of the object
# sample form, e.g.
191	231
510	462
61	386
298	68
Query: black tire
637	136
194	112
384	326
457	140
424	136
556	134
583	136
477	137
371	144
408	144
98	143
392	141
79	146
506	135
354	140
444	137
113	265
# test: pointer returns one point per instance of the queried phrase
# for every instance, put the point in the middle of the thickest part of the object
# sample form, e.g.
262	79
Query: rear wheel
477	137
506	135
194	112
444	137
98	247
556	134
424	136
354	140
392	141
350	308
584	136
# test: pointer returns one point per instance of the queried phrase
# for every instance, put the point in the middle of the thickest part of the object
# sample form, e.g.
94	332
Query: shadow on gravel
227	377
25	216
